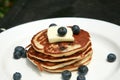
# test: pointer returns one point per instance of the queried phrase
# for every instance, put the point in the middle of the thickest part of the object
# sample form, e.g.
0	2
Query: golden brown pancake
52	65
43	57
60	56
61	66
72	67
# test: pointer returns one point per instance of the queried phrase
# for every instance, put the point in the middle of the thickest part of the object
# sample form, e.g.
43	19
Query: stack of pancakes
60	56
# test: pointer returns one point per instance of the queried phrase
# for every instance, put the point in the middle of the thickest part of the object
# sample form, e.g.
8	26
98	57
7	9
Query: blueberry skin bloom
62	31
19	52
17	55
81	77
17	76
82	70
66	75
75	29
111	57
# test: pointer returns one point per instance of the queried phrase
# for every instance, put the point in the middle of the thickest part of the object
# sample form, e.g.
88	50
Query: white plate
105	39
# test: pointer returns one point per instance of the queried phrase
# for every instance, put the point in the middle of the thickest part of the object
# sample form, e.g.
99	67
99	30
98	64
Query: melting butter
54	37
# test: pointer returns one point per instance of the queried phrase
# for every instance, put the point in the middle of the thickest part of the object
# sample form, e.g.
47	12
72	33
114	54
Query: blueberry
19	52
17	76
66	75
24	54
81	77
111	57
82	70
53	24
19	48
75	29
17	55
62	31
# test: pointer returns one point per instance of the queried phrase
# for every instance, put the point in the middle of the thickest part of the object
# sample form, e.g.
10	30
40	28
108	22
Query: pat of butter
54	37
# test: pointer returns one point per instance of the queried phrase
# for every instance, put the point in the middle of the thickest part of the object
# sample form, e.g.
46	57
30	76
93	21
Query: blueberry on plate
81	77
17	55
66	75
19	52
76	29
62	31
111	57
19	48
53	24
17	76
24	54
82	70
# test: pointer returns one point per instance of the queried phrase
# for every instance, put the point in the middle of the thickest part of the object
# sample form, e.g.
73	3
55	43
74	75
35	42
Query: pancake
72	67
59	67
60	56
43	57
61	63
41	44
51	65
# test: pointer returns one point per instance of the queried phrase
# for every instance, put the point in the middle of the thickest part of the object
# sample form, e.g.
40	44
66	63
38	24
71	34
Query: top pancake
41	44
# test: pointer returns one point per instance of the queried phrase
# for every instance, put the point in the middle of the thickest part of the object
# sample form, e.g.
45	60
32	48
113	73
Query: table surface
30	10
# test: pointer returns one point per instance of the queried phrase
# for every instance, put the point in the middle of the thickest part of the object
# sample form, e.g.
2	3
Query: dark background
30	10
